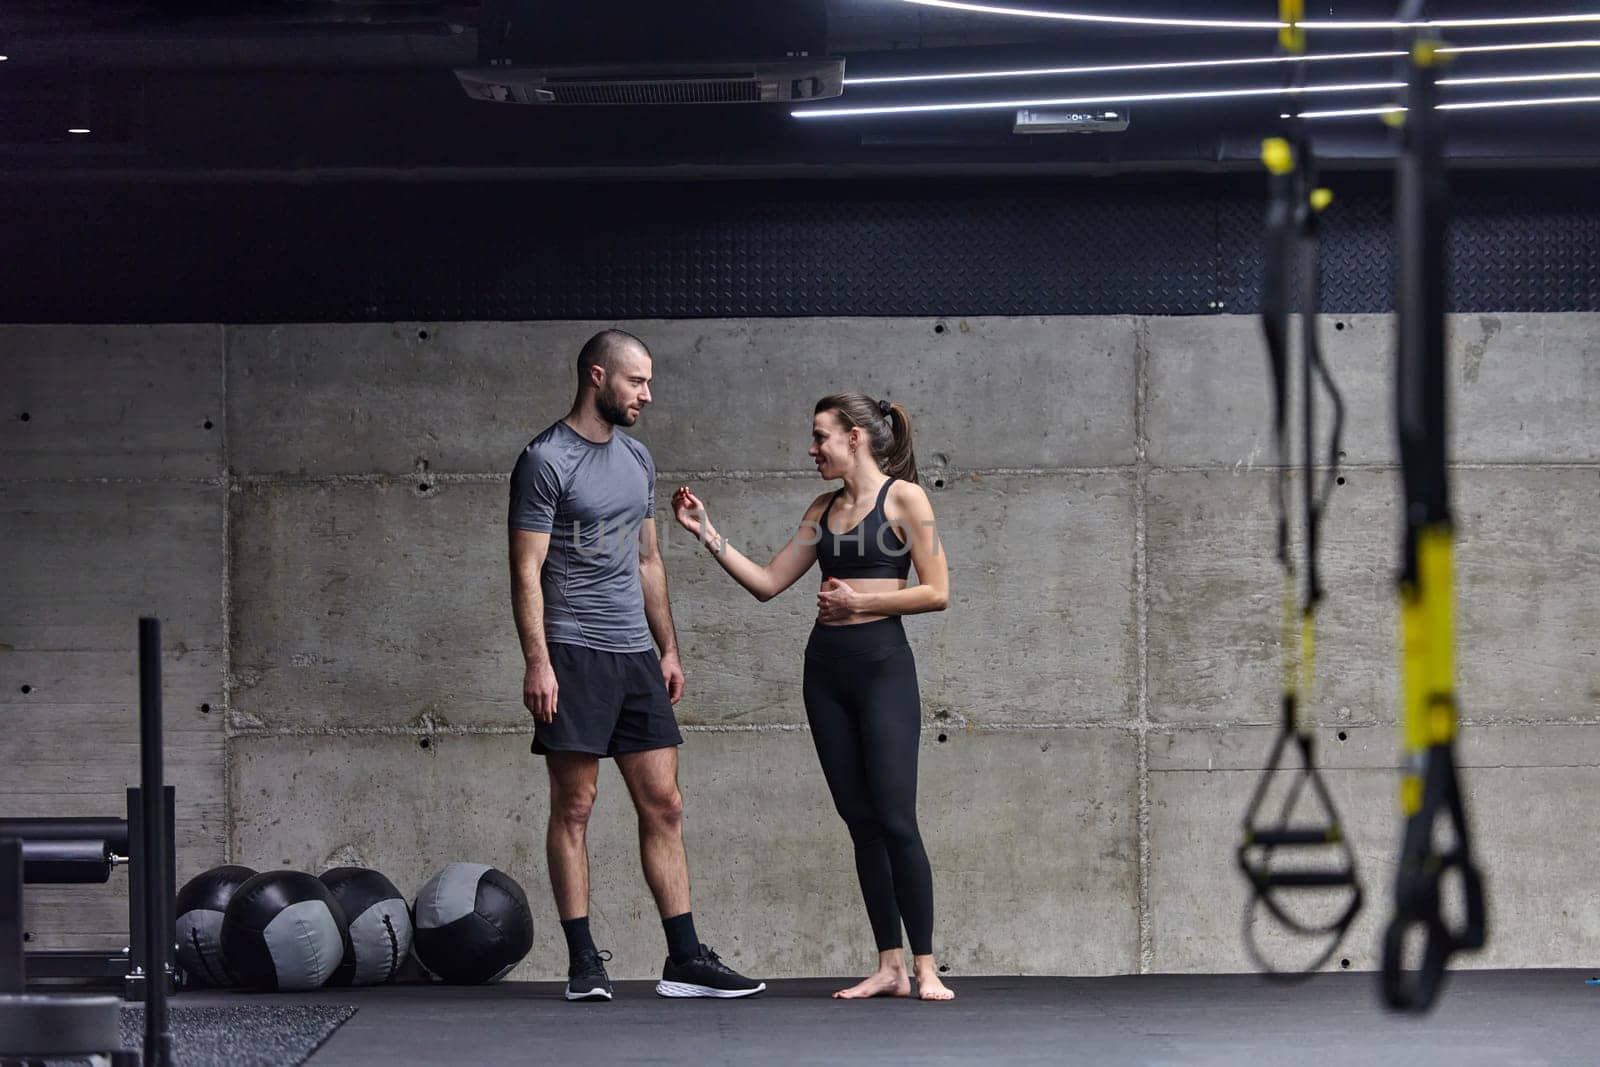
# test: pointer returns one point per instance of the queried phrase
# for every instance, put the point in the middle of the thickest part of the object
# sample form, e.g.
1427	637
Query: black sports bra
875	548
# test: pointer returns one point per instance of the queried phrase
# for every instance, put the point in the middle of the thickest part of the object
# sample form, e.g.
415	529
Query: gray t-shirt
591	499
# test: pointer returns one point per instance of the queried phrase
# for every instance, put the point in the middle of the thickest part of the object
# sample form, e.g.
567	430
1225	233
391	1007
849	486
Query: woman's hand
836	601
690	512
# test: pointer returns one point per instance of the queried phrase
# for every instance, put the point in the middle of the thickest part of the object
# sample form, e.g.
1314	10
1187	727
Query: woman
860	677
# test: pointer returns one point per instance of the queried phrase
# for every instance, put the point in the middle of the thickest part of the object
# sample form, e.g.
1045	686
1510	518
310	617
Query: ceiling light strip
1193	64
1253	24
1205	94
1470	105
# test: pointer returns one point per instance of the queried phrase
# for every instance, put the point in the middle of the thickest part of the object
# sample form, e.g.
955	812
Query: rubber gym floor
1482	1017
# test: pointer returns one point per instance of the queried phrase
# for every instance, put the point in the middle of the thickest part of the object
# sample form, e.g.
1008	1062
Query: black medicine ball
200	905
283	931
472	924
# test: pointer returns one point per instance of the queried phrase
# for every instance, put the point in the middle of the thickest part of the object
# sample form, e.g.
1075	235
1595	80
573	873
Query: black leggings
866	721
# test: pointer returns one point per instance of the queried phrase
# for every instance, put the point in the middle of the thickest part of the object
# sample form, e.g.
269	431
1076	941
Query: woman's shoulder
819	505
906	496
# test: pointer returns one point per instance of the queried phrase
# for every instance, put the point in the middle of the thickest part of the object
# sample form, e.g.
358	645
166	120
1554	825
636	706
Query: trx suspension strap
1429	788
1327	862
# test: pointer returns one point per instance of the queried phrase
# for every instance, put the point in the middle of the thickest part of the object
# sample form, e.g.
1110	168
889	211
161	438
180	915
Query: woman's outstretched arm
763	583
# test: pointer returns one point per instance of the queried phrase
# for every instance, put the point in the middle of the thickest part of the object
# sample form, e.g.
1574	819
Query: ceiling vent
644	52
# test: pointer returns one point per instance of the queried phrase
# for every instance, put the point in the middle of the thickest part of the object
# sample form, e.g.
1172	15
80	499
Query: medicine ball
472	924
379	922
200	905
283	932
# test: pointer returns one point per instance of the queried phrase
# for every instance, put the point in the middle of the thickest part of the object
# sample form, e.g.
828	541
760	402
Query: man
589	590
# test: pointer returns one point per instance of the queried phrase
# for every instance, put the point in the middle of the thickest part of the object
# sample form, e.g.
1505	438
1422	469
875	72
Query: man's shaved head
605	348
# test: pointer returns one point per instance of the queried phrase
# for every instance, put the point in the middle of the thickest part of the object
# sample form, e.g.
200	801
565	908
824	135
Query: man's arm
657	607
528	551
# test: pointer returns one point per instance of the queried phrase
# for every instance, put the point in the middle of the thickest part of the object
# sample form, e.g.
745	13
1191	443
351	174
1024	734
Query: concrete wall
317	512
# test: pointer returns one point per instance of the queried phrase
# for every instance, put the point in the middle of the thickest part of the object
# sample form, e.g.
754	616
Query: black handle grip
1304	835
1306	879
1263	881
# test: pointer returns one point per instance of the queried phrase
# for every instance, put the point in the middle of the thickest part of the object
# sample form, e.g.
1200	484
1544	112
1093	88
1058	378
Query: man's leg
573	779
652	779
644	744
692	970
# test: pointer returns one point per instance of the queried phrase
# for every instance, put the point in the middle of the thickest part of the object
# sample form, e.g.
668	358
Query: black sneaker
586	978
705	976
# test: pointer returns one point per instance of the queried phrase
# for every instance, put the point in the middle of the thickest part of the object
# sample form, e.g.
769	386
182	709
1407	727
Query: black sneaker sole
589	994
665	988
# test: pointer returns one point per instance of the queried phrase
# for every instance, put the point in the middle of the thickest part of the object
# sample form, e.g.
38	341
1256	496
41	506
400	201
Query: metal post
157	933
138	967
13	964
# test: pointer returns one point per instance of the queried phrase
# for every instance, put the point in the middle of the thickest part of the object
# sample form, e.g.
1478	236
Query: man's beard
613	412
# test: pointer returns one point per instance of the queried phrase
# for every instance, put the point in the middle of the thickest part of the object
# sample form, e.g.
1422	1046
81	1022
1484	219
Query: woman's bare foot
884	982
929	985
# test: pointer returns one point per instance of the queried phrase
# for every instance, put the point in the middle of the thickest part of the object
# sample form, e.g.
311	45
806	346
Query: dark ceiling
317	91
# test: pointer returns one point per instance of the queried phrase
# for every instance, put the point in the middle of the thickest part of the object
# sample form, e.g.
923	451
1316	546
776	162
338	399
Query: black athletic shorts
606	703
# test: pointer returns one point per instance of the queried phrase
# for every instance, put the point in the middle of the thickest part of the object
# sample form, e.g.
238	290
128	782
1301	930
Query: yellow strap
1436	563
1410	794
1427	650
1291	669
1277	155
1429	54
1291	36
1308	655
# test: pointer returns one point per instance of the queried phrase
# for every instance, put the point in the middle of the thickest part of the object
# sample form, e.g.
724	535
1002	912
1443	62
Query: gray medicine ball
379	921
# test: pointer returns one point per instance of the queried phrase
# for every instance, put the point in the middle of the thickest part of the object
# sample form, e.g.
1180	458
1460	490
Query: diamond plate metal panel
1173	245
1518	242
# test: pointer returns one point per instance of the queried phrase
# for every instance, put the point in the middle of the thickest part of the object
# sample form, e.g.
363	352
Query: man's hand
672	675
539	691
